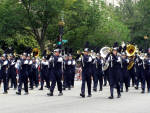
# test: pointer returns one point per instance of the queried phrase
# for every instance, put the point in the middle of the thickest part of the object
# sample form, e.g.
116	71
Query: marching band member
65	72
72	70
140	73
56	76
135	70
114	76
12	72
98	72
4	72
44	73
133	74
147	70
93	67
30	71
69	71
125	74
35	66
24	74
86	61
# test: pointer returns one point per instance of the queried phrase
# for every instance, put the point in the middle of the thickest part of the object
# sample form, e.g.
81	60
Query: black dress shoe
41	89
26	93
136	88
95	90
50	94
60	94
82	95
89	95
48	87
143	92
121	90
5	92
72	86
101	89
133	85
119	96
64	88
18	93
69	88
36	86
31	88
127	90
111	97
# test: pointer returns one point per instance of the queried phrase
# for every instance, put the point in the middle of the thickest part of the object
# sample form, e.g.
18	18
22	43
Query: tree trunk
42	46
41	40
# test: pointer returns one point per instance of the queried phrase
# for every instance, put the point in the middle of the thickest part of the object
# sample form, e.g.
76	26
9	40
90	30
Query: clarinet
82	60
143	64
111	61
96	63
121	62
52	60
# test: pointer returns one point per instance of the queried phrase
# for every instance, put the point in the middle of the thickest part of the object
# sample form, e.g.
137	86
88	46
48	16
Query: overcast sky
115	2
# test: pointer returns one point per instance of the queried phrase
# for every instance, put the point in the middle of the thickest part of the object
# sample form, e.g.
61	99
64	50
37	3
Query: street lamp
146	38
61	25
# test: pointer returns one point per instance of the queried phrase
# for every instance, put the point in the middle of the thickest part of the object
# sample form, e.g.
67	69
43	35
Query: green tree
136	17
38	19
94	22
31	17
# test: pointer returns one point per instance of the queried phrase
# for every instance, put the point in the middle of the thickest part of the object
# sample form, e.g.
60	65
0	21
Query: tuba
104	52
35	52
131	50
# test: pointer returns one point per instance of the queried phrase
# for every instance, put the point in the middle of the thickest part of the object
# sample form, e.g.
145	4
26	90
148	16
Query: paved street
38	102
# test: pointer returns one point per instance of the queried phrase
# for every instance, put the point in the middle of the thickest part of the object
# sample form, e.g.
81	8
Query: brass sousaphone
104	52
36	52
130	50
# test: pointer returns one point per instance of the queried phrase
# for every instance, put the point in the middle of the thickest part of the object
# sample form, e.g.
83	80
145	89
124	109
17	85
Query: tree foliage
36	21
94	22
136	17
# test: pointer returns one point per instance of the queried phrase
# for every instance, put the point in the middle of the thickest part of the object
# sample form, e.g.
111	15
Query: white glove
44	63
30	62
90	59
60	59
119	59
74	63
13	62
5	62
26	62
69	62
